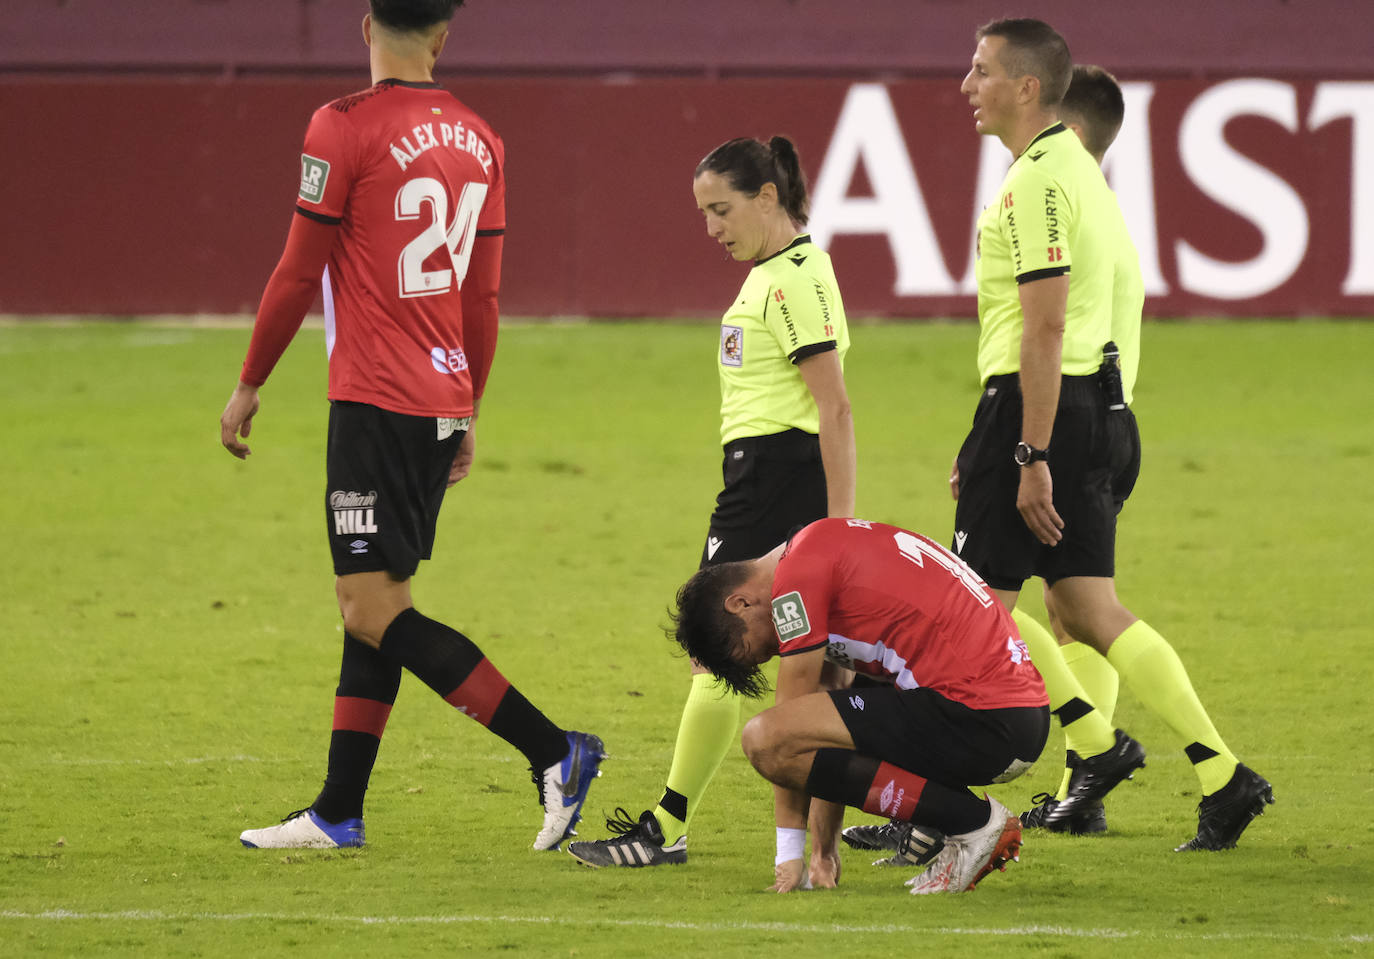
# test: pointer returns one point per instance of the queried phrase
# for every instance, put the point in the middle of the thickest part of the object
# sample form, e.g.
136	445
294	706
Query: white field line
200	760
1065	932
1163	760
183	761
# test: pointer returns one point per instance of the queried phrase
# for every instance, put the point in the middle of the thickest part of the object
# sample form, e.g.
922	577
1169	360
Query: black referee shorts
925	733
1087	466
387	474
774	485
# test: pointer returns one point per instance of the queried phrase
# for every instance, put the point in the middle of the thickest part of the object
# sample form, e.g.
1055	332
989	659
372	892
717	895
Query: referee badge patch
731	346
314	175
789	616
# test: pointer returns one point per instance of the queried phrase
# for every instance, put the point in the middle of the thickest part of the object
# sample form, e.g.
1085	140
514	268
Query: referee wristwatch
1026	454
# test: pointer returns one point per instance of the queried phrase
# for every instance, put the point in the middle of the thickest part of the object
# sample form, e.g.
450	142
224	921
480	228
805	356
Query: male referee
1033	478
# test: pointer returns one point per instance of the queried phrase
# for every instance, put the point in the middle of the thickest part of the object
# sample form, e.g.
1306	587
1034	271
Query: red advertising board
1246	195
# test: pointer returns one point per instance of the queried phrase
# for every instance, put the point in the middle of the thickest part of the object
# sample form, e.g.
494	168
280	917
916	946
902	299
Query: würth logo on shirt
789	616
353	512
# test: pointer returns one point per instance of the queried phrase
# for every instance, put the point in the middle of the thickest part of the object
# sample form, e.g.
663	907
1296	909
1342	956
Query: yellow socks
1099	681
709	727
1156	675
1097	677
1086	731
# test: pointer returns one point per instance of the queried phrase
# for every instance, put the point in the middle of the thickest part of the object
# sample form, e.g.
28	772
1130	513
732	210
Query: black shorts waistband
1004	380
788	441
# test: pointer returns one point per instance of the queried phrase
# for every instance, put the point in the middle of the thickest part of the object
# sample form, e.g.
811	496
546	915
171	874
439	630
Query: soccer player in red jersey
399	223
960	705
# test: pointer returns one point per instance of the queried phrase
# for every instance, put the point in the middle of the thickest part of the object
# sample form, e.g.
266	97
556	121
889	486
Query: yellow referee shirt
1054	215
1128	300
788	309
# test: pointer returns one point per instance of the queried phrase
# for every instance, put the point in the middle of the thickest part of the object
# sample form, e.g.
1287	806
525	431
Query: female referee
787	433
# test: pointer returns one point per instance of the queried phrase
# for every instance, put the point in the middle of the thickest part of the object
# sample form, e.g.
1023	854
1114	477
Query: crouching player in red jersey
961	704
401	211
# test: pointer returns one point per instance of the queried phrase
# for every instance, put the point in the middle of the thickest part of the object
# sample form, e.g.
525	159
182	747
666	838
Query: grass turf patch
172	649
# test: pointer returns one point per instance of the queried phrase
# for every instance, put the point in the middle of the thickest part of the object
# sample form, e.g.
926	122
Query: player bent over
963	704
409	353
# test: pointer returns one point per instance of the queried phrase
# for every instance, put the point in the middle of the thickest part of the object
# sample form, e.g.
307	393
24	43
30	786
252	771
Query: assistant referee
787	434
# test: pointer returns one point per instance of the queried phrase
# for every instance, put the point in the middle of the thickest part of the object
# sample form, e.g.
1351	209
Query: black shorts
774	485
1086	458
925	733
387	473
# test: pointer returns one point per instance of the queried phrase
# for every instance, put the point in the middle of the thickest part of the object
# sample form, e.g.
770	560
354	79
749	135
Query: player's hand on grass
825	870
462	460
1035	501
790	875
237	420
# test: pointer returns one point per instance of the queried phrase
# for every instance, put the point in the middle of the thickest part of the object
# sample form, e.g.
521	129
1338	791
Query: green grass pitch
171	645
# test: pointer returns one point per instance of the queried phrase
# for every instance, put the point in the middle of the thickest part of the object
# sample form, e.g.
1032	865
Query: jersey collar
801	238
1049	131
413	84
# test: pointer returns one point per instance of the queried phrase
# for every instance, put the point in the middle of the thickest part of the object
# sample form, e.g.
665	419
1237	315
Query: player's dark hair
1033	47
709	633
1094	102
410	15
747	164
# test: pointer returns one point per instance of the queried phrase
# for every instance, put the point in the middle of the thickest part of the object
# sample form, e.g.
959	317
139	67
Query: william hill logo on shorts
353	512
789	616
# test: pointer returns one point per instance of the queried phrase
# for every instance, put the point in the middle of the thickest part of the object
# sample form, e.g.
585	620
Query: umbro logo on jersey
713	544
799	259
960	537
1036	156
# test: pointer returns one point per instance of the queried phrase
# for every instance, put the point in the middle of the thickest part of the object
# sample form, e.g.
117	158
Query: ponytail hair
747	164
